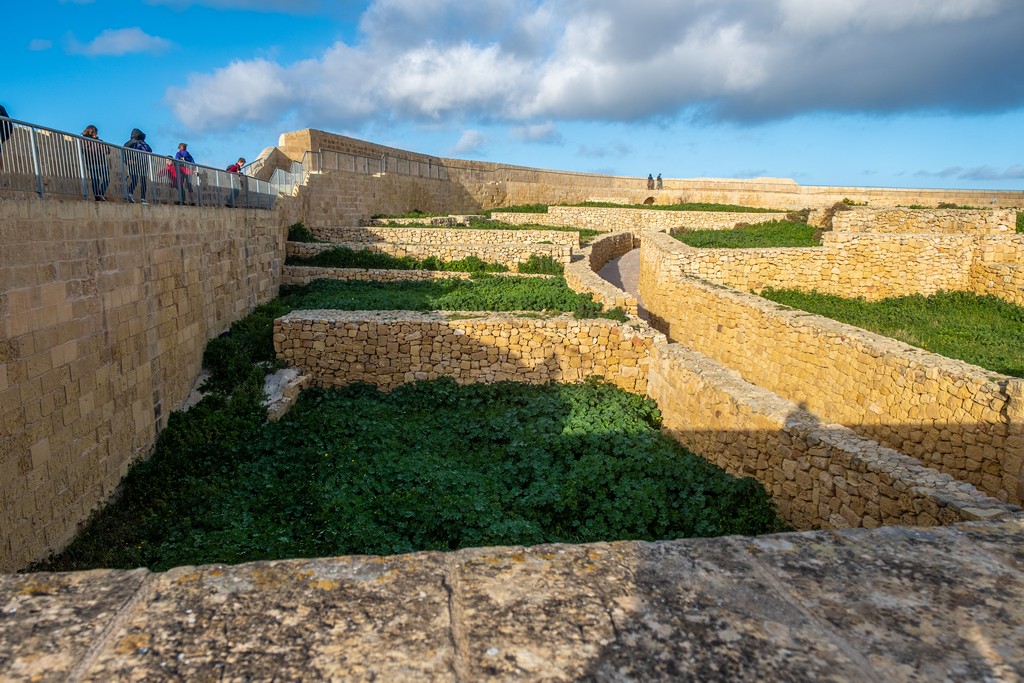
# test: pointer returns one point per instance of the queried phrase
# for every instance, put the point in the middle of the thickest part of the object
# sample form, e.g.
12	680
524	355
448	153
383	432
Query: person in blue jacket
136	165
185	170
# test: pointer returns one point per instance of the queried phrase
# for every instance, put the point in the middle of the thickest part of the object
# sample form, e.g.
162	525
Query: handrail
44	162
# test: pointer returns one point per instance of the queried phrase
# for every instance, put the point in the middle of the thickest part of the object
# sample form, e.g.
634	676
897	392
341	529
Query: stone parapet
105	310
390	348
953	416
820	475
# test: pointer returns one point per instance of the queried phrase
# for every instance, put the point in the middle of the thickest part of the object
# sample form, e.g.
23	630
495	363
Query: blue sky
904	93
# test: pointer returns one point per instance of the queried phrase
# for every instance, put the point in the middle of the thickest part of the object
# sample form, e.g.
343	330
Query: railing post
81	168
35	161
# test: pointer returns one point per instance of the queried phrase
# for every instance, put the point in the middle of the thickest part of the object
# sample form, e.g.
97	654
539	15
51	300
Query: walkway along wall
105	310
953	416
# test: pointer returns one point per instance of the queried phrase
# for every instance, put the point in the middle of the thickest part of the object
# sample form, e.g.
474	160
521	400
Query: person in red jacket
236	183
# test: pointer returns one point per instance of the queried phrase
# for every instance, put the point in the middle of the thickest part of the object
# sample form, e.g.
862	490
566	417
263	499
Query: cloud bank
534	63
117	42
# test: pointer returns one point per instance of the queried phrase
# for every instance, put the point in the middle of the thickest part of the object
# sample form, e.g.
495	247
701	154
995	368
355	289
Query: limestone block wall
438	236
943	221
874	266
635	220
581	275
303	275
507	254
105	310
390	348
820	475
953	416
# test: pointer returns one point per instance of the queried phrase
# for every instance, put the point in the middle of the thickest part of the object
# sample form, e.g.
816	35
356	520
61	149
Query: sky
890	93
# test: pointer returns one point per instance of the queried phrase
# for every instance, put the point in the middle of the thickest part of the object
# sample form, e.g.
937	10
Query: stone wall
507	254
953	416
581	275
998	267
819	475
389	348
635	220
942	221
441	236
303	275
874	266
105	310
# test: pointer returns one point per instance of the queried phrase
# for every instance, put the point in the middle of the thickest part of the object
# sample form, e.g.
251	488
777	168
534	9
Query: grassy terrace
982	330
585	234
344	257
761	236
431	465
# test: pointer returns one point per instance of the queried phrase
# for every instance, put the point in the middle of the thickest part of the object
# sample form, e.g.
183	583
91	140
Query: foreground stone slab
888	604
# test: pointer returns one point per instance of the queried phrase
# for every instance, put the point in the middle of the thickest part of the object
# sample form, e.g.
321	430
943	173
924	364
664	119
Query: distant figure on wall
136	165
236	183
6	129
95	155
650	182
185	171
659	181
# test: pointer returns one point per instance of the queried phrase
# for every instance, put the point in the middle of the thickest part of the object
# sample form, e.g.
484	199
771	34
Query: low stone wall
820	475
953	416
510	255
390	348
440	236
303	275
105	310
943	221
581	275
847	264
635	220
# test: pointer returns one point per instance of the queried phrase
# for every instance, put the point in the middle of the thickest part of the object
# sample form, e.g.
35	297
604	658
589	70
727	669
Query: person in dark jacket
136	164
185	170
95	153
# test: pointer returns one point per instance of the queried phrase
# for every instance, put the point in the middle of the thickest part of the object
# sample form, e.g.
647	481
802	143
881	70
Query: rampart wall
389	348
953	416
105	310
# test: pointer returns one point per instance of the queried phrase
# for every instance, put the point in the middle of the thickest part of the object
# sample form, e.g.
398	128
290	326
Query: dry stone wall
105	310
388	349
820	475
635	220
303	275
942	221
953	416
581	275
439	236
509	255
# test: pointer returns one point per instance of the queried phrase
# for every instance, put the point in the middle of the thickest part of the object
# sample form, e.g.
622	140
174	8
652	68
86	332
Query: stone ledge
888	604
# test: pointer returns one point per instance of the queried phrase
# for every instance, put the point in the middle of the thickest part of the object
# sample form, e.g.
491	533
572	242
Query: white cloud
39	44
283	6
116	42
546	133
527	62
471	142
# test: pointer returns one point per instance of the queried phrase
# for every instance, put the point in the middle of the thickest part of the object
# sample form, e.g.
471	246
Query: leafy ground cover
762	235
982	330
433	465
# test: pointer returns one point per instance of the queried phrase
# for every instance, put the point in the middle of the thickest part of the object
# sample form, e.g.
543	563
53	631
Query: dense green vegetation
520	208
1020	221
982	330
762	235
430	466
298	232
688	206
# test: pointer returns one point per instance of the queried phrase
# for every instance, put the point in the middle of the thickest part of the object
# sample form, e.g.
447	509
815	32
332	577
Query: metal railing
50	163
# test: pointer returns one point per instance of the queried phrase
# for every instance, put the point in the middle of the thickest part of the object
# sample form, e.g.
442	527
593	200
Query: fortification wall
635	220
390	348
953	416
105	310
819	475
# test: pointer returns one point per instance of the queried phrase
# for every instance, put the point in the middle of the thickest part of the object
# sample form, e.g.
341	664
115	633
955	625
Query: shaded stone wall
953	416
105	310
389	348
441	236
820	475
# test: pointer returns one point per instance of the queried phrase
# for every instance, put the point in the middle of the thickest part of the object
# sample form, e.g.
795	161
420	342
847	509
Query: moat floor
891	604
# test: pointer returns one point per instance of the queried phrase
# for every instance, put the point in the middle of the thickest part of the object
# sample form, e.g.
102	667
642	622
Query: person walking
650	182
136	165
237	181
95	155
185	164
659	181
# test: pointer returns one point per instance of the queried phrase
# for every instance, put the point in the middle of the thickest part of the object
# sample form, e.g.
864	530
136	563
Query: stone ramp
624	273
890	604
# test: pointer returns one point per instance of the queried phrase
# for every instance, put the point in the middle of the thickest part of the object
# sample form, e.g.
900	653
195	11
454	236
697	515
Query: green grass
759	236
1020	222
430	466
520	208
982	330
689	206
297	232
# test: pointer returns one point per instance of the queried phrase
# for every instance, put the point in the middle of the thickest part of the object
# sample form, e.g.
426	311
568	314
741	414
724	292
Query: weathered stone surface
890	604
